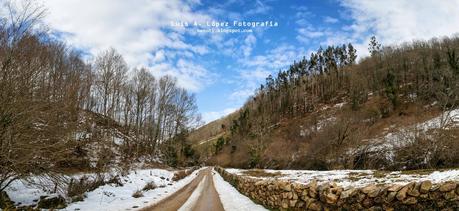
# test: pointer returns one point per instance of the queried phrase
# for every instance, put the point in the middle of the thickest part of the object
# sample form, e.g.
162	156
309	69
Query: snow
355	178
118	141
24	193
447	119
400	137
82	135
213	138
322	123
339	105
450	175
111	197
191	201
106	197
27	192
231	198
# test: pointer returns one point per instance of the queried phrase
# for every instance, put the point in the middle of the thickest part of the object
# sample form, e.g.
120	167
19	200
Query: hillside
392	110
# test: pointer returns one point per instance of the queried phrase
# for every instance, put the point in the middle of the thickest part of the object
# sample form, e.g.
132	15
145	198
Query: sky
223	68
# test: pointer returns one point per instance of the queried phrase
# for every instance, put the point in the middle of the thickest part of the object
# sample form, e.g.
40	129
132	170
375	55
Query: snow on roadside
191	201
111	197
231	198
355	178
27	192
106	197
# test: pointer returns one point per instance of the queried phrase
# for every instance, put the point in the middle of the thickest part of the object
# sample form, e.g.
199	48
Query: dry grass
261	173
419	171
356	176
380	174
178	175
83	185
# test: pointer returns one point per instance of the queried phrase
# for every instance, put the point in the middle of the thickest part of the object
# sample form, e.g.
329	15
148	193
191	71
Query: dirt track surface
208	199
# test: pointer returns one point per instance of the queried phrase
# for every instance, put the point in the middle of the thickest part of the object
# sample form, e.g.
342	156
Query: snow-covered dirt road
207	192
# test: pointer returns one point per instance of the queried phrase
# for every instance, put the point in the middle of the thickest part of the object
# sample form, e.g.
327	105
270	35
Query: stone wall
283	195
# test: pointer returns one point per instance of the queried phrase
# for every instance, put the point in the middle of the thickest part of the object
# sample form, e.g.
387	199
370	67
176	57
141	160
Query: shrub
233	148
149	186
255	157
83	185
137	194
78	198
219	144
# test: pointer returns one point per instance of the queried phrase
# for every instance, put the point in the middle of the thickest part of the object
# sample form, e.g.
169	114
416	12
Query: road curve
208	199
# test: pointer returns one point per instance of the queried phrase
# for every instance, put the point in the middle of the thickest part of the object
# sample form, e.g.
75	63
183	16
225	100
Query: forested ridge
426	69
406	81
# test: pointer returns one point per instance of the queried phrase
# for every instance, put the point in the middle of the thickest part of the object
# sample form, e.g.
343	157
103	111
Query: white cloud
256	68
392	21
191	76
247	47
328	19
308	33
302	15
213	115
396	21
140	30
260	8
242	94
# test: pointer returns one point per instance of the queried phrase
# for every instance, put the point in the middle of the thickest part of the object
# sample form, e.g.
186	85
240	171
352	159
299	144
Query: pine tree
374	46
351	54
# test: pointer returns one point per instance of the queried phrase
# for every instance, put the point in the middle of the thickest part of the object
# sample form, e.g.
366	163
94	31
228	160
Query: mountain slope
326	112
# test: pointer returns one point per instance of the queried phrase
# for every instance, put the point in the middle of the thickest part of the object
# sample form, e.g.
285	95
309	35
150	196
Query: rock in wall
284	195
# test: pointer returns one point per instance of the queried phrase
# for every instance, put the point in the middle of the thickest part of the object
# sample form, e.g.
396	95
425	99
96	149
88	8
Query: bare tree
110	71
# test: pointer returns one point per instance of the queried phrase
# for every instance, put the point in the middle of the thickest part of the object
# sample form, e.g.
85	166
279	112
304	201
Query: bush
78	198
233	148
84	184
435	149
149	186
5	201
369	159
51	202
255	157
219	144
137	194
371	115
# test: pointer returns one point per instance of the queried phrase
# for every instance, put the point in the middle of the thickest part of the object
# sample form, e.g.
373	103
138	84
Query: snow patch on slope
401	137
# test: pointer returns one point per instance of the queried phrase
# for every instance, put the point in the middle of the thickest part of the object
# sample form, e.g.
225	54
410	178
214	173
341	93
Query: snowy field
106	197
355	178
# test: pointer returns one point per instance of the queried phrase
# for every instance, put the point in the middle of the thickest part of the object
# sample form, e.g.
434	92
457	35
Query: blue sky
223	69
